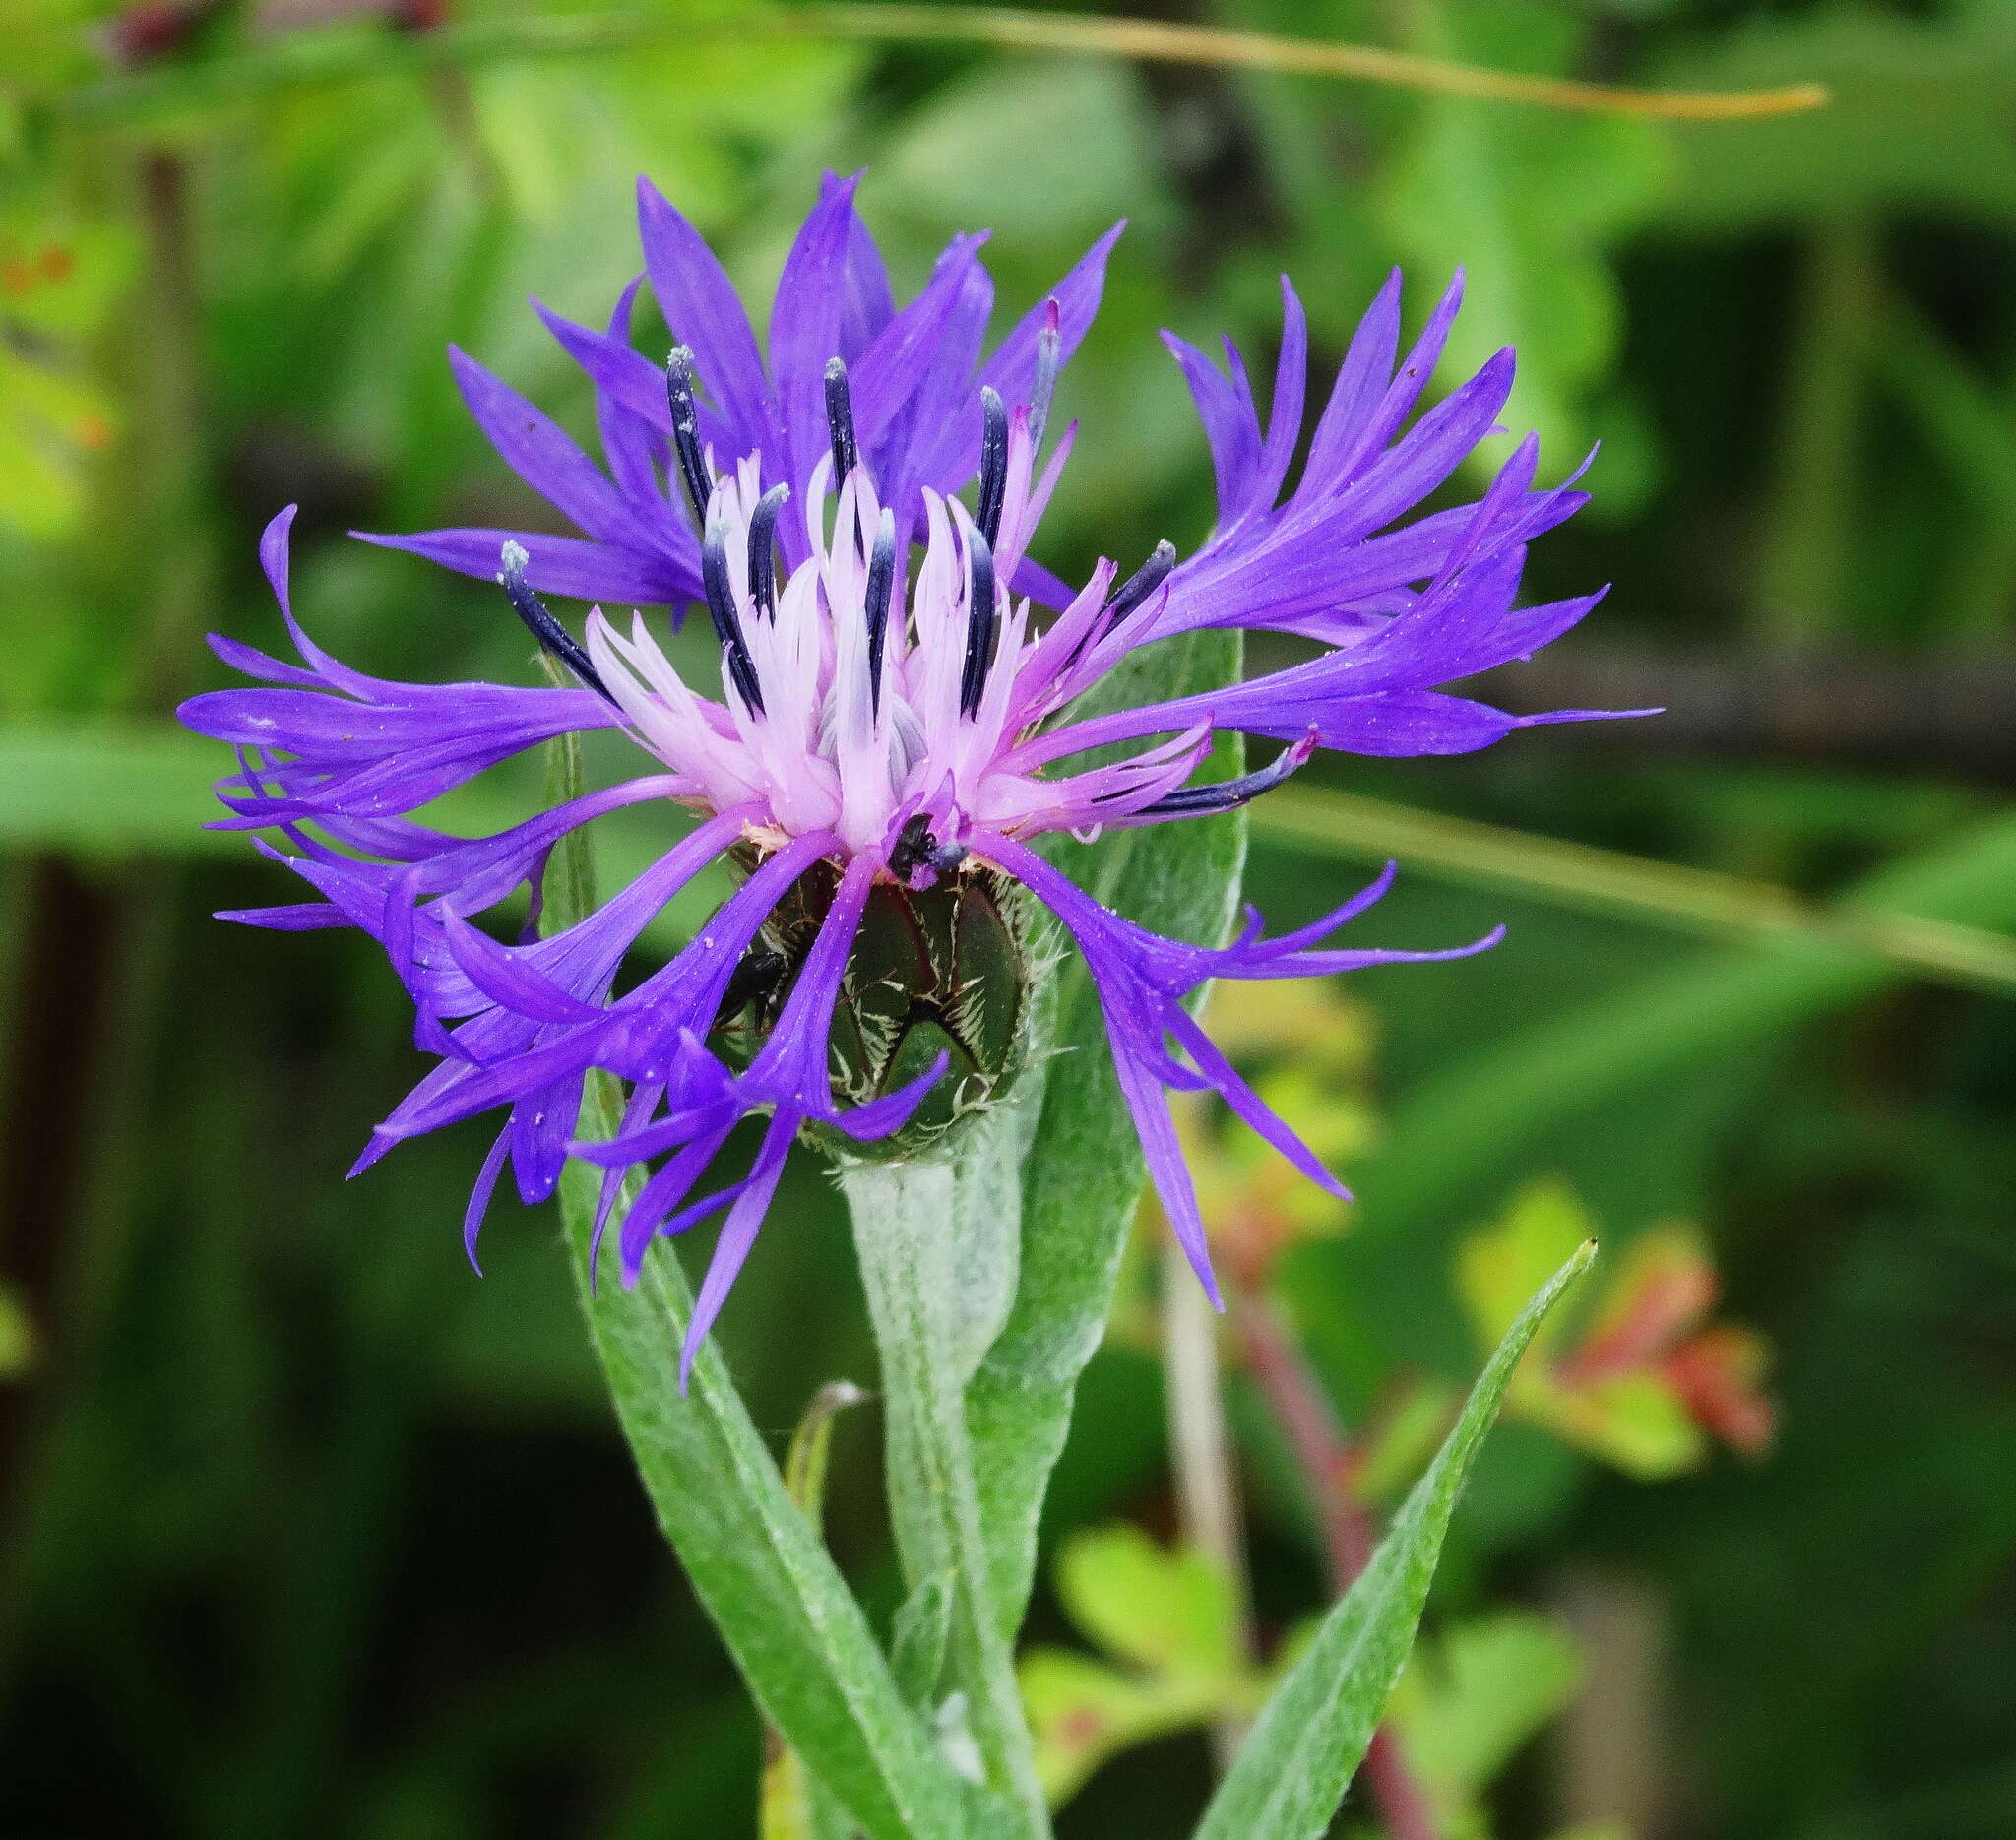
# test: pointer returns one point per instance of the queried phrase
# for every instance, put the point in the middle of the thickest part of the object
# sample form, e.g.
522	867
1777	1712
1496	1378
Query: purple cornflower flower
892	722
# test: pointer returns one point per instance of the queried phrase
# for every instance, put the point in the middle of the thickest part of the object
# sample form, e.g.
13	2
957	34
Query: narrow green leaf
797	1634
804	1464
113	786
1293	1769
1083	1171
799	1637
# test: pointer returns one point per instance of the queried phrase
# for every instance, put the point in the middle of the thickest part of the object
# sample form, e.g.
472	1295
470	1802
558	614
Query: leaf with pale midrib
1082	1173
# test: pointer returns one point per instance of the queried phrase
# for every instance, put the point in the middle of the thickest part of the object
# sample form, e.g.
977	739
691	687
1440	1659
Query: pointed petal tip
372	1153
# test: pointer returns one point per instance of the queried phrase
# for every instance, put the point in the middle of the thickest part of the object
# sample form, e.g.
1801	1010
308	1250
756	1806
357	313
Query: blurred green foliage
309	1531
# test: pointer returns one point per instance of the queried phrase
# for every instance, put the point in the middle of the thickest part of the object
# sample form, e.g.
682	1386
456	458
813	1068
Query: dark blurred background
307	1531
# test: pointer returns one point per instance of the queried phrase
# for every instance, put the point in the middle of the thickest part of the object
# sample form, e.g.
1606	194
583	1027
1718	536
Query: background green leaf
1471	1697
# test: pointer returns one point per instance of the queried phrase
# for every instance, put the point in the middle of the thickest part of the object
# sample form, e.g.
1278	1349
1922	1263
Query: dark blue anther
881	592
727	624
1128	596
686	431
548	631
1145	580
1196	801
762	550
981	622
994	463
839	422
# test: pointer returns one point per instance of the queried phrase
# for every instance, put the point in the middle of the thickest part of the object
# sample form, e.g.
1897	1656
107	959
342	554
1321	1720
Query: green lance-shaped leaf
1293	1769
758	1565
1081	1172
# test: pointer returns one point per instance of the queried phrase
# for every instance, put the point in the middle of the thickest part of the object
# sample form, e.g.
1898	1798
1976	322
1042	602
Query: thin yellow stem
304	58
1170	42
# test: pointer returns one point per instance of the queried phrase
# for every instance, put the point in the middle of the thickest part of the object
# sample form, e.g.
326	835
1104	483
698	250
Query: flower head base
937	976
892	726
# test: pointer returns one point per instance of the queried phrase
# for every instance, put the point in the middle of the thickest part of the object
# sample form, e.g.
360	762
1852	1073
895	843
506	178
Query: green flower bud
945	971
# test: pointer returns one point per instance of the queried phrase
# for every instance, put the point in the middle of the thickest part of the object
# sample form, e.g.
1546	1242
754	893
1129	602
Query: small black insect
757	981
916	846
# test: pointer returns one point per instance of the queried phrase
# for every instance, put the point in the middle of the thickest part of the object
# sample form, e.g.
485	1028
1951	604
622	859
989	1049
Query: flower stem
1200	1449
902	1216
1296	1399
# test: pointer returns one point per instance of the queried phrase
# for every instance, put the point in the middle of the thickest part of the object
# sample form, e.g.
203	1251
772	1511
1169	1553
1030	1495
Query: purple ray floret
889	713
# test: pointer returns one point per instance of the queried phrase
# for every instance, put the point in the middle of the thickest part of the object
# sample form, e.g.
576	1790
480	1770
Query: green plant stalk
754	1560
1673	895
1201	1454
1802	564
1967	419
903	1237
